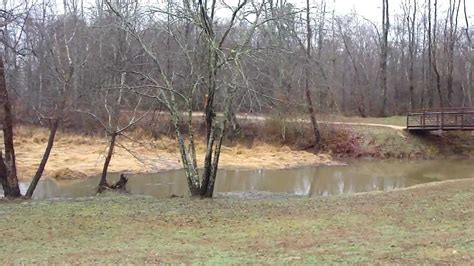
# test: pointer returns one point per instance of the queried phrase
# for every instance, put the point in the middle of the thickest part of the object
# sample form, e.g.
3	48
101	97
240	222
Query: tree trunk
384	55
207	172
453	16
412	51
3	174
435	63
470	61
357	95
209	188
44	160
12	189
470	79
312	116
412	91
103	178
438	86
234	126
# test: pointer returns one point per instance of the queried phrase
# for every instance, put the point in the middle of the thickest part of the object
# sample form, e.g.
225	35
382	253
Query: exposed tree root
119	185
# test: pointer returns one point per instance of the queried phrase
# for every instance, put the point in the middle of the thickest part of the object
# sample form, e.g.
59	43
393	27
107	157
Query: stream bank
260	145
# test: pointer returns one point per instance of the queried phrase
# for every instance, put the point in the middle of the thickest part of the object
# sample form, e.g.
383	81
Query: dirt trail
250	117
301	120
364	124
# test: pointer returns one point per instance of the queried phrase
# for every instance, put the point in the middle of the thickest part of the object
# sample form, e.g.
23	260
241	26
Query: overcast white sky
372	8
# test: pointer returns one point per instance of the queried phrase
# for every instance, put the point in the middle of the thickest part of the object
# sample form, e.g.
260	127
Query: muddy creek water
360	176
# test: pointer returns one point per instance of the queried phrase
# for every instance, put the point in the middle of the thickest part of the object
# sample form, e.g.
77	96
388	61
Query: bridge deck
441	119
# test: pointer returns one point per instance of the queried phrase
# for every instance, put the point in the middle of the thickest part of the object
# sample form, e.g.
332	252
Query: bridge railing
441	119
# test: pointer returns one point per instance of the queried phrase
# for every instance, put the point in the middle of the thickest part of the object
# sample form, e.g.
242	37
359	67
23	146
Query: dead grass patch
67	174
272	143
76	156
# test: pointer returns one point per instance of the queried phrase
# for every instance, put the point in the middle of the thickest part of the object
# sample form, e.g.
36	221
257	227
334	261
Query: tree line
116	61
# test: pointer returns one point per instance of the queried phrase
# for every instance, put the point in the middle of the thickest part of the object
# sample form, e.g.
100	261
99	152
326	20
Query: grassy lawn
389	143
381	142
420	225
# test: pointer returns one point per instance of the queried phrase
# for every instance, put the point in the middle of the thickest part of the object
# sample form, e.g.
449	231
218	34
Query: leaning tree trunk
103	178
11	190
44	160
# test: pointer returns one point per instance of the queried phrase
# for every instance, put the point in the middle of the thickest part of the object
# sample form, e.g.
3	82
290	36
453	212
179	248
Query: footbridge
445	119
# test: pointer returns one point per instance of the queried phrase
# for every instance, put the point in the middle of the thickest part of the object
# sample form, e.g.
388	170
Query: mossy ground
426	224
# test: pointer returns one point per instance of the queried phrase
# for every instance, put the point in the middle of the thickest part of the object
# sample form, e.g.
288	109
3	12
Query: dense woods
116	61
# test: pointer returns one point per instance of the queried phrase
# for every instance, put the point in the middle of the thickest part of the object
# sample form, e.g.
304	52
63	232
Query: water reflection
306	181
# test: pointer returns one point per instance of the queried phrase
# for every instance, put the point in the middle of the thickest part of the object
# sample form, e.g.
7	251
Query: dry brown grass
76	156
66	174
273	143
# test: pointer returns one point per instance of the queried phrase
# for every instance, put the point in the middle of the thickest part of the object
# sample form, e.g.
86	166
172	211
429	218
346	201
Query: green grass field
421	225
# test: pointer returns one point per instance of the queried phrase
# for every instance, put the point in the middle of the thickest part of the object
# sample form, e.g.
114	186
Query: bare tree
434	51
451	35
60	57
312	116
467	89
412	48
384	53
60	52
215	58
9	176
